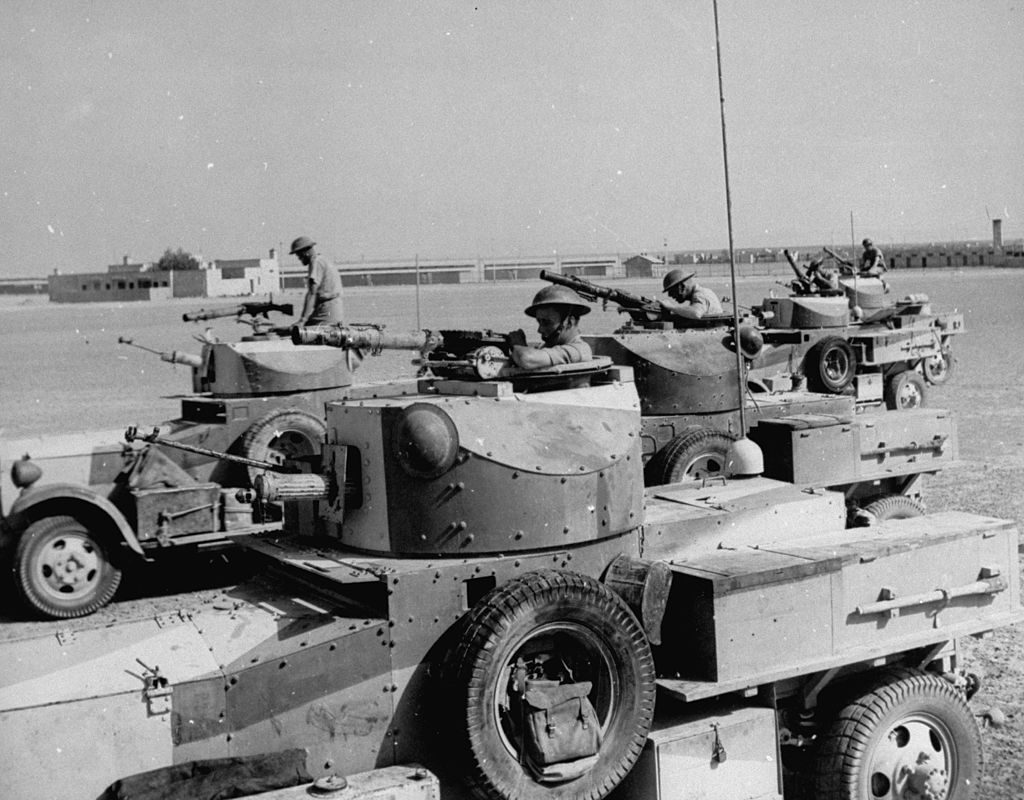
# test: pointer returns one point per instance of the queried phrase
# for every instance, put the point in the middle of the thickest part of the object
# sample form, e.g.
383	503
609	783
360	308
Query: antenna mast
741	381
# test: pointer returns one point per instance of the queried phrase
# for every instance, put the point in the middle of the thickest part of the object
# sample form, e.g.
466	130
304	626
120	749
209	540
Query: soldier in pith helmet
322	304
872	262
557	310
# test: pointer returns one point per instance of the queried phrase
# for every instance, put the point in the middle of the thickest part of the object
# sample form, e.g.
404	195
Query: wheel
911	735
550	624
281	436
62	570
939	367
905	390
693	455
894	506
831	365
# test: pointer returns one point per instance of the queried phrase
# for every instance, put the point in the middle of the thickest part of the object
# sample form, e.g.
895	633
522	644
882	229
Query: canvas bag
560	722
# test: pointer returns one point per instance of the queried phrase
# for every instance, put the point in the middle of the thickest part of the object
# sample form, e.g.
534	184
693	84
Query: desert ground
62	369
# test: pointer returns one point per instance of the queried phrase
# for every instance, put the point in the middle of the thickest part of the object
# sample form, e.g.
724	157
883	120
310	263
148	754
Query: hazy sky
454	128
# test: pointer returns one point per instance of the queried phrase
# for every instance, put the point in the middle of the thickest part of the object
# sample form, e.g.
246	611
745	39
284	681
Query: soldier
322	304
687	298
557	310
872	262
822	278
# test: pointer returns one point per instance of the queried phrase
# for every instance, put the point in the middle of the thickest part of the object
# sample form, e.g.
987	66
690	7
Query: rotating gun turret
171	357
640	308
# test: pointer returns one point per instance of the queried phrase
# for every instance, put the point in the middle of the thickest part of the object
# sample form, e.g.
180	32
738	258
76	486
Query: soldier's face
682	291
305	256
551	325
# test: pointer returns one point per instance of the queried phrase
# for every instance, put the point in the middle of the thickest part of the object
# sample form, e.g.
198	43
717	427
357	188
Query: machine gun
847	266
811	281
476	355
243	309
172	357
641	309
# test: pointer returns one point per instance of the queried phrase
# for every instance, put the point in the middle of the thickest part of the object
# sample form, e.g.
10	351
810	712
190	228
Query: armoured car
685	368
482	592
78	510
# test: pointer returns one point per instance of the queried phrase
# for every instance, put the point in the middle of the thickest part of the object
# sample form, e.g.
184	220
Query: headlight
425	441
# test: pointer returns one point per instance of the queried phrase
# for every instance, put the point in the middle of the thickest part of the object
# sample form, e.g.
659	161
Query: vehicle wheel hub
912	762
927	781
70	566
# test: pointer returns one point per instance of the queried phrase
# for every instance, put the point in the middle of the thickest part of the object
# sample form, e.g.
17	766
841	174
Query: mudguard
21	510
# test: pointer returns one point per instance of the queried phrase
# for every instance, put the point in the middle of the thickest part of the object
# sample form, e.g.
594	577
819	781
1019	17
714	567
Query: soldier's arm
685	310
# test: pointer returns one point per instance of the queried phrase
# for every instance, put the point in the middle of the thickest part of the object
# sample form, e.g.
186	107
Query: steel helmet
558	296
302	243
674	277
867	243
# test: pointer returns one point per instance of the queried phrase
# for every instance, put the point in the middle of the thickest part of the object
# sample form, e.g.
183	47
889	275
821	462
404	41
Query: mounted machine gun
171	357
243	309
641	309
813	280
468	355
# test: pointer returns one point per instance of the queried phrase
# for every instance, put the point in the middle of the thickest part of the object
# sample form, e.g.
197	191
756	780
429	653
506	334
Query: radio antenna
743	449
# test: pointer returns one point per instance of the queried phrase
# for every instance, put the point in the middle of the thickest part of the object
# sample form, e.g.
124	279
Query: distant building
22	285
137	281
641	266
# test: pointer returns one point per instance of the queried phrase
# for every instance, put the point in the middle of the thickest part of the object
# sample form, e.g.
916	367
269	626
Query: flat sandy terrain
63	370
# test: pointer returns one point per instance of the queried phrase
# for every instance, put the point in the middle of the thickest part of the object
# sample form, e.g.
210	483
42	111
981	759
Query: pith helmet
674	277
558	296
302	243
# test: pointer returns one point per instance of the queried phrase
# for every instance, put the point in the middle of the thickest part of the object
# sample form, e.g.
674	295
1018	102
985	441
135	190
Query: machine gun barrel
252	309
800	274
838	257
171	357
592	291
372	339
132	434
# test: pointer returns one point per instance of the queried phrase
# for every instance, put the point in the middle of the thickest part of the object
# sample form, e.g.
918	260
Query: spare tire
281	436
905	390
554	621
831	365
694	454
893	506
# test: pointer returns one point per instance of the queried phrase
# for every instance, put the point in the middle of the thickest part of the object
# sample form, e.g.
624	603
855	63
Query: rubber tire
515	615
831	365
937	369
692	455
893	506
54	536
905	390
280	435
870	725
